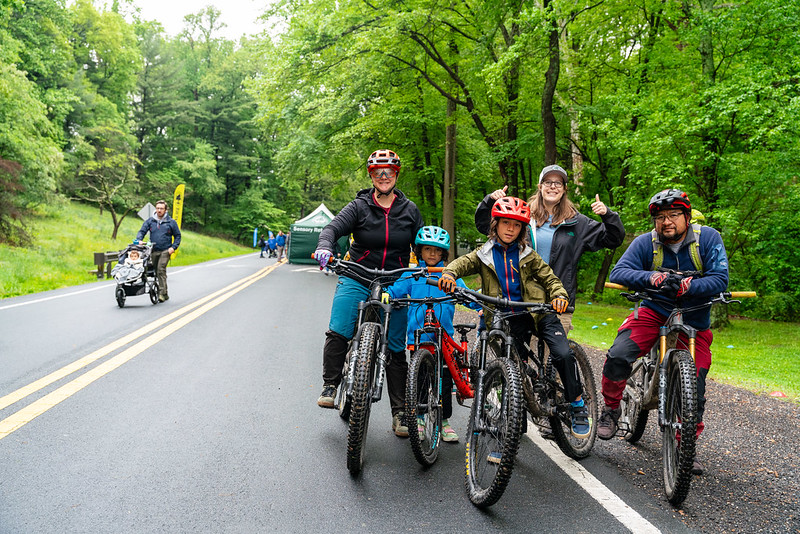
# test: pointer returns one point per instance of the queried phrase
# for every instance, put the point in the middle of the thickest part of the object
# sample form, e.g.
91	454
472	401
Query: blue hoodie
406	286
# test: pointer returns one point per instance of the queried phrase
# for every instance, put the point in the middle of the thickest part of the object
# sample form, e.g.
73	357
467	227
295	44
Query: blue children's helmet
433	236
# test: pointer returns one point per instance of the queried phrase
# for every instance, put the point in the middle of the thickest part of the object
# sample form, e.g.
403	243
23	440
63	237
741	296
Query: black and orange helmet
512	208
383	158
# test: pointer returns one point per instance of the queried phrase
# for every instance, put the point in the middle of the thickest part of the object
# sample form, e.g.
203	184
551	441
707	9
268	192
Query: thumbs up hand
500	193
598	207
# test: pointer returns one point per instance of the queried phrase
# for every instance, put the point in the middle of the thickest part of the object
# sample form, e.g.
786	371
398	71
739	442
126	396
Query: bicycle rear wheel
678	437
494	431
561	424
423	408
361	401
632	413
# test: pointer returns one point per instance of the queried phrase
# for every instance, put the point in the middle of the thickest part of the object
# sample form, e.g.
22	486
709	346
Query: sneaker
448	434
327	396
421	428
399	427
607	425
581	424
494	457
697	467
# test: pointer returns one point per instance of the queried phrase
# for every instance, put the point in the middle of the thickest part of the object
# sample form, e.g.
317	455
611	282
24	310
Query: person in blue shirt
272	244
280	243
432	246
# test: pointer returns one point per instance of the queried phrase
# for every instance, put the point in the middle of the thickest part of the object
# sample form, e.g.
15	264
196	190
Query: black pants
549	329
334	353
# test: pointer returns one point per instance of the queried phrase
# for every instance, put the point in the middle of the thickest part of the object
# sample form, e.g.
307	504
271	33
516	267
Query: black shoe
327	397
607	425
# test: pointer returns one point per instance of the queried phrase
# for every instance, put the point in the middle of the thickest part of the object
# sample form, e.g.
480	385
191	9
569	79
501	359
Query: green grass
762	356
65	236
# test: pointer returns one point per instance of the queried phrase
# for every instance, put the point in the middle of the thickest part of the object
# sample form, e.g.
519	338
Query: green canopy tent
304	234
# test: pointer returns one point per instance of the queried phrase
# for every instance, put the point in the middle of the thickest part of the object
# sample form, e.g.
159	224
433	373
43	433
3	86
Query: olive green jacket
539	284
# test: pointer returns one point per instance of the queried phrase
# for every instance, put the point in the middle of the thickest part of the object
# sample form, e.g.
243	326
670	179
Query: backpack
694	250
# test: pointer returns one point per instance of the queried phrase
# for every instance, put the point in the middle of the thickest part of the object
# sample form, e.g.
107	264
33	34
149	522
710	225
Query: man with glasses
682	261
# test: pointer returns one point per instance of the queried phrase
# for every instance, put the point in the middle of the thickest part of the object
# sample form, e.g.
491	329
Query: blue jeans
344	314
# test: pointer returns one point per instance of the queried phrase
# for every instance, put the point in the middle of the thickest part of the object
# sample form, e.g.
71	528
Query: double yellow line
174	322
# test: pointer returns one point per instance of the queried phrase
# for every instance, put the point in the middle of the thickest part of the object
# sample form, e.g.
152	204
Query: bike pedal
494	457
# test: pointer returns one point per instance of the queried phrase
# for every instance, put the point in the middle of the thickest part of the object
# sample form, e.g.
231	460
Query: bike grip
743	294
432	282
434	269
611	285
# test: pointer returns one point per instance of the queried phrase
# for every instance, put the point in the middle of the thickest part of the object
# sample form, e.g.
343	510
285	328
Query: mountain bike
665	379
507	385
424	384
364	371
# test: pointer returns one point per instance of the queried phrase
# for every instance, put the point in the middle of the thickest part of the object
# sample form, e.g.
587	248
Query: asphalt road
196	416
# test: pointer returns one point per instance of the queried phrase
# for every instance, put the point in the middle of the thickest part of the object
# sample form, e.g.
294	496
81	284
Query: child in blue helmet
432	246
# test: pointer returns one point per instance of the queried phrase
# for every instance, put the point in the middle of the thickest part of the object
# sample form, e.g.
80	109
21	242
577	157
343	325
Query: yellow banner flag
177	209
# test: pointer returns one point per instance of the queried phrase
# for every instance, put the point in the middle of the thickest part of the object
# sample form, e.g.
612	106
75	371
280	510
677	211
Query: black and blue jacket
164	233
635	267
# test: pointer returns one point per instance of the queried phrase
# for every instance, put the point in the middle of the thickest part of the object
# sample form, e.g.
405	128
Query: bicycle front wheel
561	423
678	437
361	401
423	410
495	427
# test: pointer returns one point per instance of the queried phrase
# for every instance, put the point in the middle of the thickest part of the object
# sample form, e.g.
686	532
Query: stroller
137	278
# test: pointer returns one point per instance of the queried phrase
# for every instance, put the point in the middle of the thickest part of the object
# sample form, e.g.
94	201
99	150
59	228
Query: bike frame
444	348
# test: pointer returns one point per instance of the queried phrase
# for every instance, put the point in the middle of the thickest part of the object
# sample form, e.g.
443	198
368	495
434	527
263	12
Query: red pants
635	338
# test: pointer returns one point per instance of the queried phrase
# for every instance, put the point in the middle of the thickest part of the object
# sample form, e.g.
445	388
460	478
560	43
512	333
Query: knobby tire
632	411
500	409
561	424
361	402
422	403
681	407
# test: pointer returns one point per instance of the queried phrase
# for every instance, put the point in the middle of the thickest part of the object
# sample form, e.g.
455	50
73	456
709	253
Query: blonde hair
562	211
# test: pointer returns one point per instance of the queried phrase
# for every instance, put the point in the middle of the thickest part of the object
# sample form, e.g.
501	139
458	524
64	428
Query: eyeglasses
383	171
554	185
671	216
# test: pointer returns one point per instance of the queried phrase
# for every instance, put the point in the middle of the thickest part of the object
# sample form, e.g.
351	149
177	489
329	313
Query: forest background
101	106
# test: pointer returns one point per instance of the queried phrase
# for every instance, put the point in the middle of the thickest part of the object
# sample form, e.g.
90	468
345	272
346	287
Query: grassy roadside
757	355
65	238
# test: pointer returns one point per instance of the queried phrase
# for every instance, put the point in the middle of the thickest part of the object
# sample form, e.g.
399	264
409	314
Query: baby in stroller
135	274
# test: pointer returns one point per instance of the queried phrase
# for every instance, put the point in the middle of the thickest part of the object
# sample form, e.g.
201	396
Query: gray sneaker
607	425
399	425
327	396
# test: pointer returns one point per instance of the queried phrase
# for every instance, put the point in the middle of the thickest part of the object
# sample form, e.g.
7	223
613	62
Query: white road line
102	286
599	492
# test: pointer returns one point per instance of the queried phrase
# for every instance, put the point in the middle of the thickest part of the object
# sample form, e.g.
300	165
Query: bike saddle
464	327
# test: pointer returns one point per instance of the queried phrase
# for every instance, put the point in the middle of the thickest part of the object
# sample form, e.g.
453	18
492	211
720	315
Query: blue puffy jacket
406	286
635	266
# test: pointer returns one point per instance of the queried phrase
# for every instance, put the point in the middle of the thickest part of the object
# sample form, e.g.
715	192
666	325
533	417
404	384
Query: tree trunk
550	82
449	182
602	274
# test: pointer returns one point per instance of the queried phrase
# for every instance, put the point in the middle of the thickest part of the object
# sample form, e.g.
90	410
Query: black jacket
381	239
571	239
163	234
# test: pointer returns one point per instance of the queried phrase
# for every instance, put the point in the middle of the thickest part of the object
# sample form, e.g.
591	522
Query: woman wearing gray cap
559	233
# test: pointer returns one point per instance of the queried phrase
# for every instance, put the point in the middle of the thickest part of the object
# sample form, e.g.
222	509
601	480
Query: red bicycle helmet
383	158
670	199
512	208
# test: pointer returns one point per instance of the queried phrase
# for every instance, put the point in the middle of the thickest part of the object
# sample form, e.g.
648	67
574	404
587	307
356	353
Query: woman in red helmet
511	269
384	224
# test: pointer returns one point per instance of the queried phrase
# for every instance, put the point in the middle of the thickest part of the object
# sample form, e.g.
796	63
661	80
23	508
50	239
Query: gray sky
240	16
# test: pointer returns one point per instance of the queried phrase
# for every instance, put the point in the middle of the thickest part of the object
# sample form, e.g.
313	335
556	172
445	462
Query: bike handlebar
461	293
725	294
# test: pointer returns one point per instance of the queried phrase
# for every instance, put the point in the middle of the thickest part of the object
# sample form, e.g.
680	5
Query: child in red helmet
511	269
